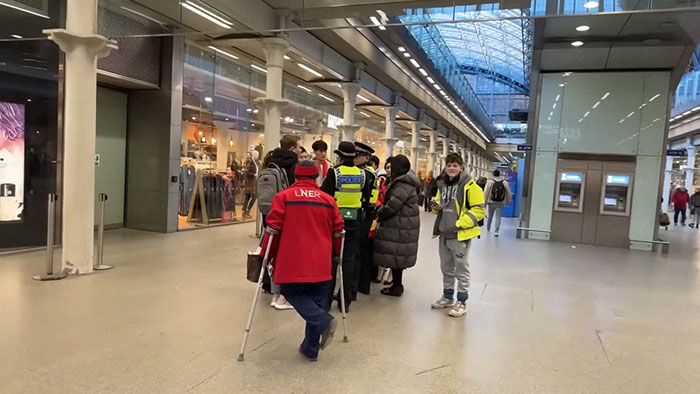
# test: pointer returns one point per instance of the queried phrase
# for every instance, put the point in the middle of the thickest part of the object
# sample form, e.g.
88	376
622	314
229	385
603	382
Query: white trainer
282	304
459	309
443	303
275	297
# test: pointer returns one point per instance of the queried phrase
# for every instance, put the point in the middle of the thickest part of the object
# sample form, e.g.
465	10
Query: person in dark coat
396	240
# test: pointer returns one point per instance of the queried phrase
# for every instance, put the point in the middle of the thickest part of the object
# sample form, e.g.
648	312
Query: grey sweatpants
454	263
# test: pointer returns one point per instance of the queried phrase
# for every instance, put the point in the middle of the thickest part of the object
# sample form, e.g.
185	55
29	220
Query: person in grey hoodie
497	195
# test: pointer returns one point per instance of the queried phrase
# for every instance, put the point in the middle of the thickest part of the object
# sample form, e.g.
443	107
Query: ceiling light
249	110
208	99
223	52
327	98
258	68
425	73
561	85
143	15
23	9
255	111
591	4
363	98
415	63
406	54
436	86
431	80
375	21
16	36
583	28
364	114
596	105
655	97
577	43
29	100
605	96
194	118
303	88
206	14
402	49
213	140
586	114
286	57
309	69
230	142
227	119
630	114
686	113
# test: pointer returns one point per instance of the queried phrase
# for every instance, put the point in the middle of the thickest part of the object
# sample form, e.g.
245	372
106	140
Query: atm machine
593	201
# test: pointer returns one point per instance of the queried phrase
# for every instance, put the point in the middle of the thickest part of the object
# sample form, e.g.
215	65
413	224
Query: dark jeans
426	203
311	302
364	260
397	275
351	238
248	202
675	216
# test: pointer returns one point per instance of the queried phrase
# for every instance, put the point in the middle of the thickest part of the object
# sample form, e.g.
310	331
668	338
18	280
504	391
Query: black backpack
498	191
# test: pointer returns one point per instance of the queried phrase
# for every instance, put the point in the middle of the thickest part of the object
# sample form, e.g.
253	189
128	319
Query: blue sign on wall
676	152
524	148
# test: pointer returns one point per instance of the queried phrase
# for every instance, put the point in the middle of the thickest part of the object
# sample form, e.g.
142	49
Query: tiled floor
543	317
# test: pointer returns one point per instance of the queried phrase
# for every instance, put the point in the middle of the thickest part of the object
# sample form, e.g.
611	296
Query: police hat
363	149
346	149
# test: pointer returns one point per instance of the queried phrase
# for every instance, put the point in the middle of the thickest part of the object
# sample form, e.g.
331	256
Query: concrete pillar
667	183
431	152
468	165
390	122
690	170
82	46
415	138
445	151
463	152
275	48
348	129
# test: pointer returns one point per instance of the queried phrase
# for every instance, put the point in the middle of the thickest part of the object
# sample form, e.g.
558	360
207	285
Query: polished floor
543	318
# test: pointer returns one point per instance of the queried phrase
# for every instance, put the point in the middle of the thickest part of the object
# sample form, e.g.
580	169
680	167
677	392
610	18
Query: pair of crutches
265	263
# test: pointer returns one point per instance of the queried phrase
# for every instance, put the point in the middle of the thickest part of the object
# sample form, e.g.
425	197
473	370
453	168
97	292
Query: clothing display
187	176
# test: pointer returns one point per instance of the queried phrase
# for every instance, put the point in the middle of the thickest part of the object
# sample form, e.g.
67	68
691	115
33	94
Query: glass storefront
30	75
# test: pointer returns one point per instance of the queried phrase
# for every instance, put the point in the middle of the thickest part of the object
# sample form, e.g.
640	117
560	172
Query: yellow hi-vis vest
348	186
375	188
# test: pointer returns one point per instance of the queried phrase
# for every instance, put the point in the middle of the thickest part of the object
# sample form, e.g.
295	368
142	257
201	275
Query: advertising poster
11	162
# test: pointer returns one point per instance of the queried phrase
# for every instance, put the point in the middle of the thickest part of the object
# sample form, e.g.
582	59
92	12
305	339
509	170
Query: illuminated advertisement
11	162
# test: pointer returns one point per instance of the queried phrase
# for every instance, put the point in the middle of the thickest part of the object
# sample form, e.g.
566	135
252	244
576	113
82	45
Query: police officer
347	184
363	260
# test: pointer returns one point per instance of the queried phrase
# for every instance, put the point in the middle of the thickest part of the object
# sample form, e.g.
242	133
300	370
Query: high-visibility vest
375	188
348	185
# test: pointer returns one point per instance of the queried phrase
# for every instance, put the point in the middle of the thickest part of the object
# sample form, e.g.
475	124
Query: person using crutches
310	231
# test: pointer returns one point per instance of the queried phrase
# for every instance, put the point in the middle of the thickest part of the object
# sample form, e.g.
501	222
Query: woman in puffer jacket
396	241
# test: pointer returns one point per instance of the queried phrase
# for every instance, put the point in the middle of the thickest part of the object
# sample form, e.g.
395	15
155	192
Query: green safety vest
375	189
348	186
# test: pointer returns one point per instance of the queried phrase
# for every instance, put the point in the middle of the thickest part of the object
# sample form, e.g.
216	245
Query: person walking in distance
498	195
346	183
695	206
460	206
396	240
680	201
309	226
363	258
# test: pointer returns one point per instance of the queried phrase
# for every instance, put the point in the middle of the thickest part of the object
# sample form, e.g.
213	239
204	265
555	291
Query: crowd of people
355	214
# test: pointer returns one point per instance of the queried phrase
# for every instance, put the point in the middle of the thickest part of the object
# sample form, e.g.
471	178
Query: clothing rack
211	199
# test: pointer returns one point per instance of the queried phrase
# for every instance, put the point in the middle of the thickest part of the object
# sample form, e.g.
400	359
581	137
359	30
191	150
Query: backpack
271	181
498	191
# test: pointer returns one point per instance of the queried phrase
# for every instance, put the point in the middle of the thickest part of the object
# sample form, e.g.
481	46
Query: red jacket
680	199
307	219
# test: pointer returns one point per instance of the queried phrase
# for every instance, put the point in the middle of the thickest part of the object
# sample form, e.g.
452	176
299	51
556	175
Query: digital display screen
618	180
610	201
571	177
11	162
564	198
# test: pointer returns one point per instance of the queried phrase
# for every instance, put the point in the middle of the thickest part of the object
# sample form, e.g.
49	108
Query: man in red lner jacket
309	225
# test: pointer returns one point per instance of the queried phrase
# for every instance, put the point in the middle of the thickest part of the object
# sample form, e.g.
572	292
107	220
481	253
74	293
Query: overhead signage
676	152
571	177
524	148
334	121
11	162
618	180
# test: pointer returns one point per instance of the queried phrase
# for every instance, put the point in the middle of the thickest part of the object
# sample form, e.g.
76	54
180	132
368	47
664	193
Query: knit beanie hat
306	169
400	165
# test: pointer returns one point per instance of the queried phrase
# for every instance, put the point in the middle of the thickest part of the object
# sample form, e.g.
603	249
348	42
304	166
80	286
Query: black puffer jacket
396	241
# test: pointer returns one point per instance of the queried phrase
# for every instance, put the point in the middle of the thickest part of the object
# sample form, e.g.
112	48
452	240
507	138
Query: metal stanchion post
51	222
99	253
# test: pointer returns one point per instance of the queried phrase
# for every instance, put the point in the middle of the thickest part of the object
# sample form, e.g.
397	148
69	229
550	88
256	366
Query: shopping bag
664	220
227	216
254	266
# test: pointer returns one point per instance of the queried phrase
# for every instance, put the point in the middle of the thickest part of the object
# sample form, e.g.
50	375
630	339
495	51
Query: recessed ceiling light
406	54
208	99
286	57
415	63
363	98
206	14
402	49
258	68
326	97
303	88
16	36
591	4
376	23
309	69
577	43
583	28
217	50
425	73
431	80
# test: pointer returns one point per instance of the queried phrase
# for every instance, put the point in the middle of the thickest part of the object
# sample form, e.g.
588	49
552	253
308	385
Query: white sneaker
282	304
443	303
495	234
459	309
275	297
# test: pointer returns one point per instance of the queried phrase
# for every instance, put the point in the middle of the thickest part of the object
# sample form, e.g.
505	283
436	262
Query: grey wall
153	148
110	175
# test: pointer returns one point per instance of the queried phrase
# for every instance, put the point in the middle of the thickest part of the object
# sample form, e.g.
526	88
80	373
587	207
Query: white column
468	166
463	152
667	183
82	46
390	122
431	152
275	48
690	170
350	91
445	151
415	138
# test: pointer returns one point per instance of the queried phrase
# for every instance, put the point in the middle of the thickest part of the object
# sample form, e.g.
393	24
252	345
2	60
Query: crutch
342	287
265	261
